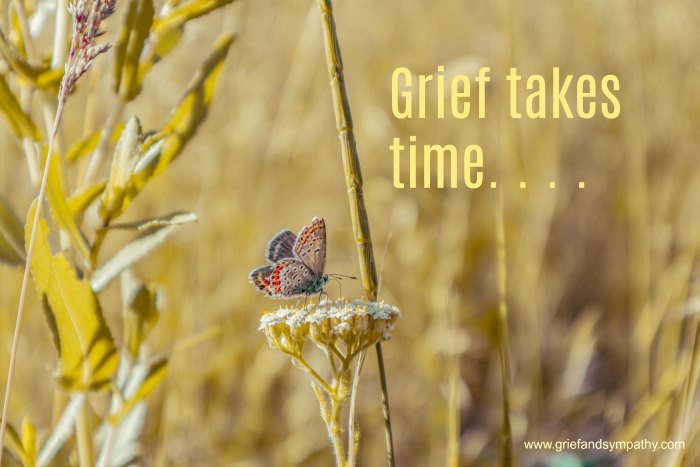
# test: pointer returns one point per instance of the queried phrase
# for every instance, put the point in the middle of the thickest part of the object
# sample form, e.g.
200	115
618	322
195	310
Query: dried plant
86	29
69	282
342	330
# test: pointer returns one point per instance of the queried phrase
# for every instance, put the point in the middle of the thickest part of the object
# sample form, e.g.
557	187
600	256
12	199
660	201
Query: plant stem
353	180
506	435
335	431
83	432
331	417
25	278
353	443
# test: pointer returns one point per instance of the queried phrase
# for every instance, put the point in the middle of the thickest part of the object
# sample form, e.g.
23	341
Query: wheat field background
601	282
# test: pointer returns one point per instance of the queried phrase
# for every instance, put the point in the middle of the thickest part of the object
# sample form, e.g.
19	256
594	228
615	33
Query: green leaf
22	125
158	151
139	312
87	354
175	218
29	442
167	30
11	233
116	197
58	202
156	373
85	146
132	37
13	445
80	201
185	119
43	77
135	250
183	13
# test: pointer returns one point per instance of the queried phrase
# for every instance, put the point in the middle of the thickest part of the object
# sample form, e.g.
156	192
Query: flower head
356	324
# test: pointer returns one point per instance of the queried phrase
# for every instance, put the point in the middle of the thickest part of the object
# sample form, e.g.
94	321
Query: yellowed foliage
87	354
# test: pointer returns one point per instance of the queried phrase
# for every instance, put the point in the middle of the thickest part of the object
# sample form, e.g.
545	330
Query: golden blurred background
601	282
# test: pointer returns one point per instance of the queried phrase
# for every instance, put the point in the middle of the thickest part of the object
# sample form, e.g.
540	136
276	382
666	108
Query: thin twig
353	180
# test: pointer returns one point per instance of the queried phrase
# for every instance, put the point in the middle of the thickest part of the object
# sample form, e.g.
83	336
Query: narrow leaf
87	354
176	218
132	37
57	198
155	376
79	202
11	236
29	442
126	156
132	253
88	144
166	31
139	312
22	125
44	77
13	444
187	11
62	431
185	119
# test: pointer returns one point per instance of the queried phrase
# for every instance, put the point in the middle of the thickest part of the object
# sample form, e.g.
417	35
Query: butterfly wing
291	277
260	278
310	246
281	246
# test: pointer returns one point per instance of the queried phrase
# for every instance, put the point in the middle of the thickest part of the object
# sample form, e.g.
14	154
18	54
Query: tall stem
353	180
25	278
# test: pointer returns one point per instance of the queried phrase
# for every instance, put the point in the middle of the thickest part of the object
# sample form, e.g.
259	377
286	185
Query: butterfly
298	263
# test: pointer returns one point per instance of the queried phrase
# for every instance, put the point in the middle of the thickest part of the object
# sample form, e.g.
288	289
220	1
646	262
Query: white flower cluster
358	324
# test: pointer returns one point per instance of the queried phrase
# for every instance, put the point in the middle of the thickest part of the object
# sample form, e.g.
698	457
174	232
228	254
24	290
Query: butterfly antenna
381	269
336	276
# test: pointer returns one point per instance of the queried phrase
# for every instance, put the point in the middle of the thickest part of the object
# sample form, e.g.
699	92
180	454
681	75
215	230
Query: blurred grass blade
132	37
43	77
11	236
87	353
167	30
185	12
184	121
160	150
85	146
126	156
29	442
58	202
139	312
175	218
155	375
13	444
80	201
22	125
62	431
136	250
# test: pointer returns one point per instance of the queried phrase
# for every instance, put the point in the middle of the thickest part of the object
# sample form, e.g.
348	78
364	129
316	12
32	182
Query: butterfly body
298	263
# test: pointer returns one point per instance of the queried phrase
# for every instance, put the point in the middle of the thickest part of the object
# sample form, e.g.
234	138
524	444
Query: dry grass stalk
353	180
87	19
